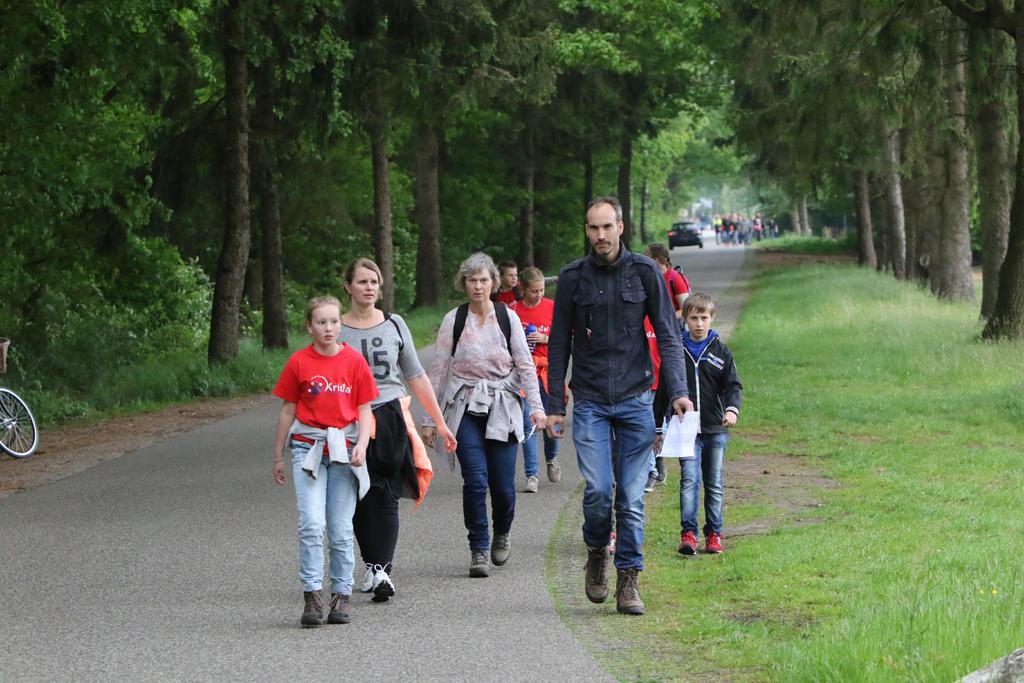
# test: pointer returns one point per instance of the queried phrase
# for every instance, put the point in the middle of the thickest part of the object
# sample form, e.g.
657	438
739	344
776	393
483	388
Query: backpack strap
505	323
500	312
461	313
401	341
686	280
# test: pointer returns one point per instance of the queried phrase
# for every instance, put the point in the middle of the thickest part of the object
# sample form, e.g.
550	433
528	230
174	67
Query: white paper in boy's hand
680	435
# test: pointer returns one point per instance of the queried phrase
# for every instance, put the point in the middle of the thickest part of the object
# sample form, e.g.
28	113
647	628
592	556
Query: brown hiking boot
627	593
312	609
597	574
341	609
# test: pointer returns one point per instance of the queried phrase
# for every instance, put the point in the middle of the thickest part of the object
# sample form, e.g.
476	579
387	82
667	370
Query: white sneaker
383	587
531	485
367	583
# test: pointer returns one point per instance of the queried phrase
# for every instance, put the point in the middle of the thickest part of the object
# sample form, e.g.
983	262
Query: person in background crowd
677	289
535	312
508	281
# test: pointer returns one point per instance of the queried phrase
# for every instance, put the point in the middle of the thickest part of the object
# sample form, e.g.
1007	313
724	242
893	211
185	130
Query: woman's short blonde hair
473	264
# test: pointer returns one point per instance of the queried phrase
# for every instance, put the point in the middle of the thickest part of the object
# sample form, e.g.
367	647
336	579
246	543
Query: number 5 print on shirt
377	359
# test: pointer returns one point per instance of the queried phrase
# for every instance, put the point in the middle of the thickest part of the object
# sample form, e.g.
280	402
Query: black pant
376	526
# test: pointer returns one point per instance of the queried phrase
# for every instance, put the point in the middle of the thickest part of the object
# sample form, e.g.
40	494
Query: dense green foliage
114	157
115	160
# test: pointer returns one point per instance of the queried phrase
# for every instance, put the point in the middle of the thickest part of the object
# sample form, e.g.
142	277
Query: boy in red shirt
326	420
508	279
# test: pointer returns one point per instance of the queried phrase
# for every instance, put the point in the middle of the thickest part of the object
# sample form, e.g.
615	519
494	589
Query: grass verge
907	567
424	321
809	245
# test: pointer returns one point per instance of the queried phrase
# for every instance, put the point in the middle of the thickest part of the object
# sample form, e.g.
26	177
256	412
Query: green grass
809	245
424	321
910	569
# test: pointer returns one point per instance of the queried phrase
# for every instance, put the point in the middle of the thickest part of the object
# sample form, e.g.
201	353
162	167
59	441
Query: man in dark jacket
600	306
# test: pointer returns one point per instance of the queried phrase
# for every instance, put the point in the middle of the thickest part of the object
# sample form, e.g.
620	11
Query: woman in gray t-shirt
396	459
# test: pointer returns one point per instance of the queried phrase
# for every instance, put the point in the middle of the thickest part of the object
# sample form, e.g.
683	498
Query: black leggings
376	526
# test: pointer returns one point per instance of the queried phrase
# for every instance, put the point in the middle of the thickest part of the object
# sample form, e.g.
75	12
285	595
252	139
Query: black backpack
462	312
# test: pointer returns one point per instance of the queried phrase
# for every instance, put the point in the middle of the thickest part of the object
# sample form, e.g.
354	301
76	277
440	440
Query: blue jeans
530	445
633	423
485	463
706	465
325	503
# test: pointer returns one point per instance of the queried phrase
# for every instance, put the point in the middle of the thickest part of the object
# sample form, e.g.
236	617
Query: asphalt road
178	561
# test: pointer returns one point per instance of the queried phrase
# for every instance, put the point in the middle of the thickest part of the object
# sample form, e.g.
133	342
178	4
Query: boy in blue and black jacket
716	391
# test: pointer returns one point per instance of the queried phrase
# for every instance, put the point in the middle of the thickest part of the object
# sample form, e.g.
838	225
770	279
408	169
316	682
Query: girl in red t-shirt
535	313
677	289
326	421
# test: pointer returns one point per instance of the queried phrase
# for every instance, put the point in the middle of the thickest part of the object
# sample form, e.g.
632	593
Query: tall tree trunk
989	90
897	252
1007	319
428	217
865	239
526	180
588	189
625	171
878	210
234	253
794	217
264	165
643	211
174	162
383	235
956	281
930	233
913	213
805	216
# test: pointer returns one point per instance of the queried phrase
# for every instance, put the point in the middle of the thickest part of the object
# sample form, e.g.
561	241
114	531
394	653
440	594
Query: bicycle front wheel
19	435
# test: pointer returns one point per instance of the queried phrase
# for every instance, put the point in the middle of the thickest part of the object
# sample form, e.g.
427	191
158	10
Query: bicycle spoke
18	433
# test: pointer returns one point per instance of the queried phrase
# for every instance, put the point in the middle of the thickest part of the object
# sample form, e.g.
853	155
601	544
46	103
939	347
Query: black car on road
685	234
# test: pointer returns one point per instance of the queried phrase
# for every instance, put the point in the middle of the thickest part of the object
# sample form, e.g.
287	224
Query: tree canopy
147	142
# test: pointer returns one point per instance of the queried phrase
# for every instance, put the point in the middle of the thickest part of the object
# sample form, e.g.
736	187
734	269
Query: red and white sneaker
714	544
688	543
611	544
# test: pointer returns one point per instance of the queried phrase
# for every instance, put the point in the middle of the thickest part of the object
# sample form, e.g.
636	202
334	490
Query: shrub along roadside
910	570
810	245
176	376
